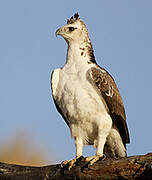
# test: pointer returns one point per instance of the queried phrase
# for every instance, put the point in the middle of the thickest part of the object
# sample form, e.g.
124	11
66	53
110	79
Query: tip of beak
57	32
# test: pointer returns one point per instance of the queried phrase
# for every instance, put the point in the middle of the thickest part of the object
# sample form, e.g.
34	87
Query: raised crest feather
73	18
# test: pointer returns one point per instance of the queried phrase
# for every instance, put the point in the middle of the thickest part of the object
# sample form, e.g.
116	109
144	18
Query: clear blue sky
121	34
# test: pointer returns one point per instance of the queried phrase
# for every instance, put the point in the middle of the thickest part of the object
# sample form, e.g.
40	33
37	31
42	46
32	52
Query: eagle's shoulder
105	85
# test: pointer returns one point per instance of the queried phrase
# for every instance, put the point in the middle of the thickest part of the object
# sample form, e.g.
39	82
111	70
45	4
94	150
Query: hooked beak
58	32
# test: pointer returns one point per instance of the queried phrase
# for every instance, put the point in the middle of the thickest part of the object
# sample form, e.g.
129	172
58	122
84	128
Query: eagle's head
74	31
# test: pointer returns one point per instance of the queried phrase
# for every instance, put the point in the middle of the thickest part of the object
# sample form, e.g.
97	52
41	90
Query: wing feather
105	86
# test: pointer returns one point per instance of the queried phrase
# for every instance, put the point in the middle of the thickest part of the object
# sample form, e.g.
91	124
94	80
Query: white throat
76	54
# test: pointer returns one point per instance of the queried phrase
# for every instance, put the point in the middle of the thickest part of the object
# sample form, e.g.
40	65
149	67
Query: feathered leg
79	149
99	153
103	132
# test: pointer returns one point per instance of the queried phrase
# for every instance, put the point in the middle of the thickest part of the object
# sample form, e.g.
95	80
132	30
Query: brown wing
105	85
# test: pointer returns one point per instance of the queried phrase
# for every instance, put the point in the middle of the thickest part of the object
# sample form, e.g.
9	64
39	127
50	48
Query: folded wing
104	84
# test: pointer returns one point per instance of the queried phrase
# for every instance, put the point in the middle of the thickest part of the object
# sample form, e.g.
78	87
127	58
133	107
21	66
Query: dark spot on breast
82	53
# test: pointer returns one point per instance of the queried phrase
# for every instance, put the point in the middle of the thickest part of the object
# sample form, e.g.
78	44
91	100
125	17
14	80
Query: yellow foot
70	163
92	159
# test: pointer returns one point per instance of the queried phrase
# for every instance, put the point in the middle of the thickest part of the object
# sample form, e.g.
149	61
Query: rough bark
133	167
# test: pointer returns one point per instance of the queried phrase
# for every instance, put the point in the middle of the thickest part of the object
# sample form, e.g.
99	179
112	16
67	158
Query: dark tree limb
134	167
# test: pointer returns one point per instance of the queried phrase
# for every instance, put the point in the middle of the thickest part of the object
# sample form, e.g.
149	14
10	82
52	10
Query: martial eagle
87	97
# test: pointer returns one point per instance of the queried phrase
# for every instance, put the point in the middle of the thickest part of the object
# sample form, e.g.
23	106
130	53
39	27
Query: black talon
102	157
64	168
85	166
80	159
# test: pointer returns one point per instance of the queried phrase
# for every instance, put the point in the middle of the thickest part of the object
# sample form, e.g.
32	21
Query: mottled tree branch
133	167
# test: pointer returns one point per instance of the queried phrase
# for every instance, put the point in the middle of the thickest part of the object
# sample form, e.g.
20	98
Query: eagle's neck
80	53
